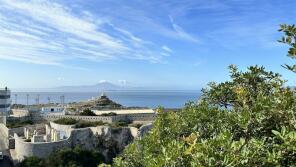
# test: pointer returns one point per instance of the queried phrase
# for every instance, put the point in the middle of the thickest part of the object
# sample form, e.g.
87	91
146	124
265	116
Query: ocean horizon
128	98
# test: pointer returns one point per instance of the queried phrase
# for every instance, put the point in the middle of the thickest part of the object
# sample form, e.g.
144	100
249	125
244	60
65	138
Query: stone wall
4	130
24	118
108	119
85	118
65	128
108	141
3	120
42	150
20	112
19	131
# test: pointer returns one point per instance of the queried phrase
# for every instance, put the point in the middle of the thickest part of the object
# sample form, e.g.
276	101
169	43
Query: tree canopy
246	121
289	38
66	157
87	112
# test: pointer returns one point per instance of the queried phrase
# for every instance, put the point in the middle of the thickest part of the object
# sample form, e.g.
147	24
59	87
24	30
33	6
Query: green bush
32	162
66	121
85	124
121	123
18	123
66	157
247	121
87	112
109	114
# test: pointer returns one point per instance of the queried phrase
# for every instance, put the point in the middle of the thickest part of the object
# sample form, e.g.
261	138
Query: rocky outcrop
104	139
100	103
109	141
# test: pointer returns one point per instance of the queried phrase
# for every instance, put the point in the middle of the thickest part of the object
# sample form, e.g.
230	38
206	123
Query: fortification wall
64	128
85	118
140	117
4	130
20	112
3	120
24	118
108	141
135	117
19	131
42	150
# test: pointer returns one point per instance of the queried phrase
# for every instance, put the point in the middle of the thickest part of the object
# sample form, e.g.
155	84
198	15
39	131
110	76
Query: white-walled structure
5	101
52	109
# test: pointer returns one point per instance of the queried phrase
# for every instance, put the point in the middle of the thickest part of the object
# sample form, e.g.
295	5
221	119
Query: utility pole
48	98
15	98
62	100
37	99
27	100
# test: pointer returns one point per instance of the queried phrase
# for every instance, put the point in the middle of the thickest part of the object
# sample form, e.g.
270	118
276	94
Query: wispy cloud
45	32
166	48
180	32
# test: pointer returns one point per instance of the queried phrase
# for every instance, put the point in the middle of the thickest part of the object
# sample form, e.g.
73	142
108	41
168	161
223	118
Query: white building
52	109
4	101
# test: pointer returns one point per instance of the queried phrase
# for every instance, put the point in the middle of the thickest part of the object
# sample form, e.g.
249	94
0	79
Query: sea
151	99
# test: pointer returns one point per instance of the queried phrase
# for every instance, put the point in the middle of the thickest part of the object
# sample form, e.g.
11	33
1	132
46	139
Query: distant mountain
99	87
102	86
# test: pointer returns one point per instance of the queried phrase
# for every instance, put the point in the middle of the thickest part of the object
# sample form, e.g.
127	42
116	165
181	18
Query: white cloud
166	48
103	81
180	32
165	54
44	32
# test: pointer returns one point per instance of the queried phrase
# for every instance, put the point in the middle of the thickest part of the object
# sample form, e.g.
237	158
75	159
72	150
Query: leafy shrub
247	121
121	123
289	38
85	124
87	112
66	158
66	121
18	123
32	162
109	114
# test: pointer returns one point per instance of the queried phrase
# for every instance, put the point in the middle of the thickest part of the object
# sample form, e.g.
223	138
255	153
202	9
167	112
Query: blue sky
167	44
